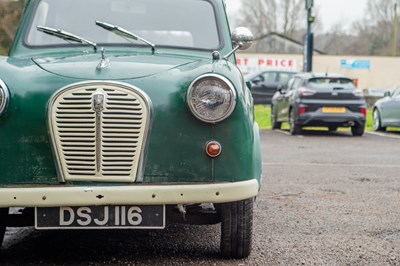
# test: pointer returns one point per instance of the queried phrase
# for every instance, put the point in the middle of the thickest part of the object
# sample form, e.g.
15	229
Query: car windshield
330	83
177	23
283	76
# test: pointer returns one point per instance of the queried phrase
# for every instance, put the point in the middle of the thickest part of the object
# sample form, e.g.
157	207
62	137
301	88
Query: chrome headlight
211	98
3	96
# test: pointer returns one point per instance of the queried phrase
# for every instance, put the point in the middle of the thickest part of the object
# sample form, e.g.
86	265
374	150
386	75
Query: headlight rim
6	95
232	105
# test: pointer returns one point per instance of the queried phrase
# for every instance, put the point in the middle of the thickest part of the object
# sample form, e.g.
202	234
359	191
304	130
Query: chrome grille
99	131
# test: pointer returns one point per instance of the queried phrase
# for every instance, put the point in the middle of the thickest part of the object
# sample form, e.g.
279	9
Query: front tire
237	229
3	223
377	121
294	128
357	130
274	123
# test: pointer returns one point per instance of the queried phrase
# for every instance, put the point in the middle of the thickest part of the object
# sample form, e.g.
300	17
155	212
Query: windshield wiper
66	36
125	33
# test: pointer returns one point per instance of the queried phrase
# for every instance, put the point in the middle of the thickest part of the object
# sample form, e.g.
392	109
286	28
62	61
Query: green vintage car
128	114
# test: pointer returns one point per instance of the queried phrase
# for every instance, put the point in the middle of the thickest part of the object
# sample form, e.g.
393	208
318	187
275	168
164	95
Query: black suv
328	100
265	83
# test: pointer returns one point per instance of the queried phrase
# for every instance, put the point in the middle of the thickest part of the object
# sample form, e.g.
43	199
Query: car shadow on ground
323	132
394	132
114	247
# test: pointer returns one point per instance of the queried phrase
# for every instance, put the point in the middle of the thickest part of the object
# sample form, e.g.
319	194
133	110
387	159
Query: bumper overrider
128	195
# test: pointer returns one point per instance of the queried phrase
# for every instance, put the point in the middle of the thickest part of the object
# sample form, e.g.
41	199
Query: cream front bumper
128	195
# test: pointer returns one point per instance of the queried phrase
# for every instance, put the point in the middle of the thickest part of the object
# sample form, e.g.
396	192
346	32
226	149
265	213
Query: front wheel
294	128
236	229
377	121
357	130
3	223
274	119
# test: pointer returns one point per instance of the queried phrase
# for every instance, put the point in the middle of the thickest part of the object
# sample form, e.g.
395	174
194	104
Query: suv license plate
326	109
100	217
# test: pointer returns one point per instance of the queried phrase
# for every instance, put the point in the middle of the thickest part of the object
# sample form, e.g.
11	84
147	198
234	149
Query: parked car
386	111
128	114
374	92
327	100
265	83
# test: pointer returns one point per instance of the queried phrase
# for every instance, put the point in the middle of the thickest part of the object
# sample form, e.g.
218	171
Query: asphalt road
327	199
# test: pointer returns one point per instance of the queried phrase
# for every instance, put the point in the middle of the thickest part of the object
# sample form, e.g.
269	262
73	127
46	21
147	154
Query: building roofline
286	38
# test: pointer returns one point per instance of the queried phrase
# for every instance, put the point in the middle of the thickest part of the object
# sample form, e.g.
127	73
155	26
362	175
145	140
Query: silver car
386	112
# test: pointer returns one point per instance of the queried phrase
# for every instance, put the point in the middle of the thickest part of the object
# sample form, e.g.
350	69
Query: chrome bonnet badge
98	102
104	63
98	105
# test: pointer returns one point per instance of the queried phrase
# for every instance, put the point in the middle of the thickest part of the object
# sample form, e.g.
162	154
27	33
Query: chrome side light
211	98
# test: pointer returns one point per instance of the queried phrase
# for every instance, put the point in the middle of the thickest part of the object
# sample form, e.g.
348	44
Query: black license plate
96	217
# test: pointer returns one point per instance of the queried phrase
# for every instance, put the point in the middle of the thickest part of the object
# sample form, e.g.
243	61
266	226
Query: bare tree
292	16
375	31
378	10
372	35
10	13
280	16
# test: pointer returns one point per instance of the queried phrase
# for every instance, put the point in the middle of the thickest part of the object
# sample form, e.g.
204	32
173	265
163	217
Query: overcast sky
331	11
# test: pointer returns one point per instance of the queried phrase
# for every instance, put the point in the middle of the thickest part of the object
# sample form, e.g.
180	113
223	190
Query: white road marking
381	134
332	164
283	132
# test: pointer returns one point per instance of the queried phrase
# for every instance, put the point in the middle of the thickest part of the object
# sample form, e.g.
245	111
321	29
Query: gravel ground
327	199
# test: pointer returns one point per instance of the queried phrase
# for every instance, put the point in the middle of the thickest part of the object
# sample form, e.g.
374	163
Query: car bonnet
115	67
